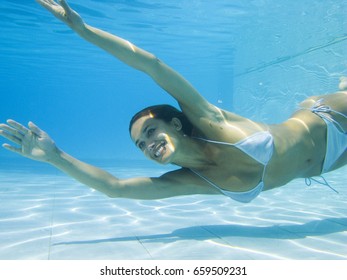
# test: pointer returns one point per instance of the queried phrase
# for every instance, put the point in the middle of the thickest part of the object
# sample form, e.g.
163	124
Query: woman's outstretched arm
166	77
34	143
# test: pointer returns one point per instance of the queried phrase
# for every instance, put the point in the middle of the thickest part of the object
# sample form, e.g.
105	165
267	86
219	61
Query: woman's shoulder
227	126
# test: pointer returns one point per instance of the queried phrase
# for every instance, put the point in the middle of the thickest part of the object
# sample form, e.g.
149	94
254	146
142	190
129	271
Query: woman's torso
298	151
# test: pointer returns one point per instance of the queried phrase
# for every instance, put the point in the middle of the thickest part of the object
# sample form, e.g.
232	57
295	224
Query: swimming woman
219	152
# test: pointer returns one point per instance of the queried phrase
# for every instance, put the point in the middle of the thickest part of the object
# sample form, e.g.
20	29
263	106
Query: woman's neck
193	154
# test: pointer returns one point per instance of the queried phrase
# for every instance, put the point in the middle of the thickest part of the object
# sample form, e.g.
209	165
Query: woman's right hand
63	12
31	142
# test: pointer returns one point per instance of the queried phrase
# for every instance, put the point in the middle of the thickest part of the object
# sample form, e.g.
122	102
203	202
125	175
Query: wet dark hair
165	113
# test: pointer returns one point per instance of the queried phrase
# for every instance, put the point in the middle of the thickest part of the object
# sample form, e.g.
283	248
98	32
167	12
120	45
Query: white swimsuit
258	146
336	136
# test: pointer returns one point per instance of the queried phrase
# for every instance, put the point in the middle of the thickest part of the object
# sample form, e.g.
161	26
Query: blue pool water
257	58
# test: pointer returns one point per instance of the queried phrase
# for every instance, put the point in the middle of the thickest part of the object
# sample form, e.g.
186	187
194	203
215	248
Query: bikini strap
308	182
207	180
323	110
258	146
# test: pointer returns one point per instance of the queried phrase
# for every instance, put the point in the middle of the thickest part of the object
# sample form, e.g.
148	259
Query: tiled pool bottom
50	216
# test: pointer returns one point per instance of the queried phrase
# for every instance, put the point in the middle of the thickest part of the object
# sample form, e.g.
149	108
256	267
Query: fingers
12	149
47	4
35	129
8	129
50	5
16	132
56	9
65	5
21	128
13	137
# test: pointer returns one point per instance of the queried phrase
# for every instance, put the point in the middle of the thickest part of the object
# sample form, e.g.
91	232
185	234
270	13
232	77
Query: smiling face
157	139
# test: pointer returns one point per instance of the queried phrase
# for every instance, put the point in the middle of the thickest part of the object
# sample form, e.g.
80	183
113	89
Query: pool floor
50	216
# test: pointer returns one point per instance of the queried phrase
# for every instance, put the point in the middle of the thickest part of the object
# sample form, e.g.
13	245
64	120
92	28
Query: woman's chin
165	157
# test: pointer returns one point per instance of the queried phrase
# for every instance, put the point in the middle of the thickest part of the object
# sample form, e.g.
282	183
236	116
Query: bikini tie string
319	107
325	111
308	182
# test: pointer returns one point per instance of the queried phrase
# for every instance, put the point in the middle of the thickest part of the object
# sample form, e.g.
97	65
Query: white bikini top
258	146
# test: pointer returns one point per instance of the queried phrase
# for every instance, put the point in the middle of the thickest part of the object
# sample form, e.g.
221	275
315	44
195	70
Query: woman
219	152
